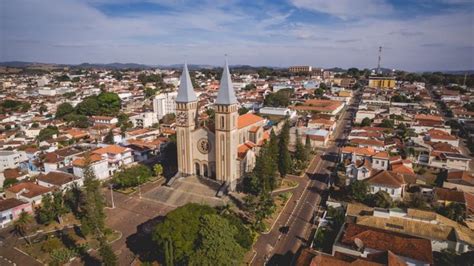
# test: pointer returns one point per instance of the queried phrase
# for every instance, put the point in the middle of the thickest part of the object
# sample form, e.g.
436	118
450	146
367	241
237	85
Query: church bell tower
186	106
226	131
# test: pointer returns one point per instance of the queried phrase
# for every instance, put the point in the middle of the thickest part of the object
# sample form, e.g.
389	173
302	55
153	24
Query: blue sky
416	35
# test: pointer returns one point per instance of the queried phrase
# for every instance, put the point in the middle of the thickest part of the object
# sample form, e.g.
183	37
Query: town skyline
415	36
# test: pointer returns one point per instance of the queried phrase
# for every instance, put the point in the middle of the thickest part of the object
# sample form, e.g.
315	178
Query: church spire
226	94
186	91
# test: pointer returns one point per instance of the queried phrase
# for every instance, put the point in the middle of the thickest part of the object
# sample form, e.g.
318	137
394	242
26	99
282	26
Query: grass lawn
280	202
286	183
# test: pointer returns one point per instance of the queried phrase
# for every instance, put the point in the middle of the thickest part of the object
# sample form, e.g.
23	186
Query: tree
196	234
8	182
132	176
149	92
45	213
109	103
109	138
284	162
366	122
387	123
454	211
106	253
64	109
92	215
180	227
47	133
22	225
381	199
217	245
61	256
301	154
280	98
358	190
43	109
89	106
243	110
158	169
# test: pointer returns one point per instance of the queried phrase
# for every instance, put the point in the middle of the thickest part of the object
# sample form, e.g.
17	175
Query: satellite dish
359	244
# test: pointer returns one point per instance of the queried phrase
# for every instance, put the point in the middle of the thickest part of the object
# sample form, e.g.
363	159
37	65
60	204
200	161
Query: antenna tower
380	58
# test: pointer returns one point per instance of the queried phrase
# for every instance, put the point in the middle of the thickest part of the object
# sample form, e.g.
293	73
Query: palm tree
21	225
158	169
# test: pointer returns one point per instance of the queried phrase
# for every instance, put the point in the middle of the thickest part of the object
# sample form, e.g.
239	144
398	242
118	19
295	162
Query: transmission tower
380	58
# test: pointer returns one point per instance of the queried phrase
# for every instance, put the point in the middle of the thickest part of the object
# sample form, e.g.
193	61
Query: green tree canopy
196	235
358	190
47	133
366	122
64	109
216	243
280	98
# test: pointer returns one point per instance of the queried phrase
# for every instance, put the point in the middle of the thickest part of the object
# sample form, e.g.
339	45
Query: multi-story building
143	120
295	69
164	103
382	82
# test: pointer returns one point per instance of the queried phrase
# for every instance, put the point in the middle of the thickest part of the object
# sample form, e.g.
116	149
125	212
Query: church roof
226	94
248	119
186	91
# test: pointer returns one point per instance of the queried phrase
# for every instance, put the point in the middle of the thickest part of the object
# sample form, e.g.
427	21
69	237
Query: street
280	248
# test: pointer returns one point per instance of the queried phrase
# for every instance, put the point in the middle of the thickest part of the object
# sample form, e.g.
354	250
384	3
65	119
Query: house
441	231
28	191
328	107
375	144
60	158
321	123
379	160
59	180
11	208
116	156
97	163
143	150
366	242
435	135
107	120
144	120
317	137
11	159
392	183
460	180
359	170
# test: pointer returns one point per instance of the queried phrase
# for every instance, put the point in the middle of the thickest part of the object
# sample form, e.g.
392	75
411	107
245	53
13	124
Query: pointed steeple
226	94
186	92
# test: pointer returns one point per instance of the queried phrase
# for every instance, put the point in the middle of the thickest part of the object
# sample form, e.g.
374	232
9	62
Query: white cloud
345	8
76	32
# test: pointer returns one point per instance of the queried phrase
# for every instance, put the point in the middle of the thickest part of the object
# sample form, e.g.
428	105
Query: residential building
58	180
97	163
27	191
144	120
164	103
296	69
116	156
11	159
10	210
382	82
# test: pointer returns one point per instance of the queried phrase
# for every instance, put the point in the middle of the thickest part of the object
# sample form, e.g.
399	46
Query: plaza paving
186	190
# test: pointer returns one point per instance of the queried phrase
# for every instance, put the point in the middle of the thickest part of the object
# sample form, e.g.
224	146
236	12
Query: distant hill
113	66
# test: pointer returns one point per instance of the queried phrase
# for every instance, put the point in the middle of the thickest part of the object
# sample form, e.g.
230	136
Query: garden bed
280	202
63	245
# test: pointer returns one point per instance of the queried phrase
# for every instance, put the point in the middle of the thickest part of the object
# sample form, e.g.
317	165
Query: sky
416	35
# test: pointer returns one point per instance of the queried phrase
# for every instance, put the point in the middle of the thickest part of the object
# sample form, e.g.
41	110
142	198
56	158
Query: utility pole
380	58
112	195
465	77
139	191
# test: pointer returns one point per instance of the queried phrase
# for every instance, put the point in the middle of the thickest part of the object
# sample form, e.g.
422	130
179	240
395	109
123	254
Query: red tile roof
387	178
248	119
400	244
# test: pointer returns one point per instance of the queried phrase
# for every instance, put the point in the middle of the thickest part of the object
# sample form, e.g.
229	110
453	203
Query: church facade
228	151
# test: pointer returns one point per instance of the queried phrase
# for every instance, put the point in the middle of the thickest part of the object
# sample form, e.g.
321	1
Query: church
226	152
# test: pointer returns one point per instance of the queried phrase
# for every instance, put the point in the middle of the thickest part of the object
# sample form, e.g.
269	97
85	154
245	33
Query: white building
165	103
144	120
11	159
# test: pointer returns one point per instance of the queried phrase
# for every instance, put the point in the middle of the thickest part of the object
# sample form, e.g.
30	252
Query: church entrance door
198	169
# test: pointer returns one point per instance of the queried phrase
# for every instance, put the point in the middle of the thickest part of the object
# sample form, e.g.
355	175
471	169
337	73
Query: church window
222	122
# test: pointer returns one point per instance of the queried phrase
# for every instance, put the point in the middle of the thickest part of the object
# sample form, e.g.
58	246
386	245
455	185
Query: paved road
278	248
